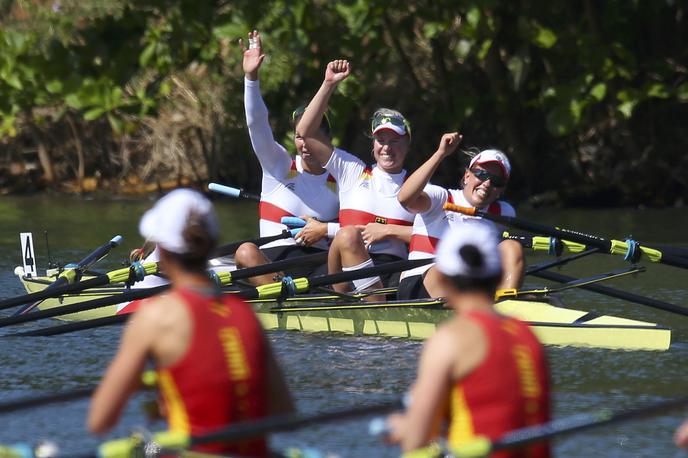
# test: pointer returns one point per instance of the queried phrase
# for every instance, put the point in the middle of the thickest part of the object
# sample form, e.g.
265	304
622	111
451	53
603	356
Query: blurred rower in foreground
482	184
214	365
681	435
297	187
481	373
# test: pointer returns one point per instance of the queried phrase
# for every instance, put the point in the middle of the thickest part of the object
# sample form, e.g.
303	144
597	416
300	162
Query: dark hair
475	260
298	113
200	242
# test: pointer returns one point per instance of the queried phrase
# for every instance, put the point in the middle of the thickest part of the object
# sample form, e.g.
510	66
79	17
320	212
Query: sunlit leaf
94	113
598	91
544	37
626	108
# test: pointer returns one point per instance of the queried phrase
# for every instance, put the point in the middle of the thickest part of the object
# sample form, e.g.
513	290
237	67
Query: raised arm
411	195
308	125
273	158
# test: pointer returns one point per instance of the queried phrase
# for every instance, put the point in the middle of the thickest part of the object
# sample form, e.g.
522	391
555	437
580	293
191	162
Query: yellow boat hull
554	325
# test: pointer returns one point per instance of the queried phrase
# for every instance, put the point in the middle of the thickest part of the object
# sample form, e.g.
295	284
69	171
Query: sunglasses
393	120
483	175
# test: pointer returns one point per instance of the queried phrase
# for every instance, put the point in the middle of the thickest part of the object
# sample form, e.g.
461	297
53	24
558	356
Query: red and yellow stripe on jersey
507	391
299	193
221	379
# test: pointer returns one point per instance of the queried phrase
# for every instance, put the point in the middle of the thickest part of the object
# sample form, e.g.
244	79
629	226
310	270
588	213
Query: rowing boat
552	323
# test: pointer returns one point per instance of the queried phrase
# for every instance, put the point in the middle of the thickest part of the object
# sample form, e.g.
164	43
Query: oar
574	283
73	273
136	271
438	303
289	287
230	248
573	424
171	442
624	295
630	249
232	192
531	270
148	380
224	278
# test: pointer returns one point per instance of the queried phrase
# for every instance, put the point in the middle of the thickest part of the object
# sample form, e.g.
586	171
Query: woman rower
297	187
483	183
482	373
374	227
214	365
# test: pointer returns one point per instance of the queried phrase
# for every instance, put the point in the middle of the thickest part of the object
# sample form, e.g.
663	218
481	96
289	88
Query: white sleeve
438	196
273	157
345	168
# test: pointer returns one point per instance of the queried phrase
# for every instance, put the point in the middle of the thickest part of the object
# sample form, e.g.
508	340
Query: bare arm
414	428
309	124
411	195
374	232
123	376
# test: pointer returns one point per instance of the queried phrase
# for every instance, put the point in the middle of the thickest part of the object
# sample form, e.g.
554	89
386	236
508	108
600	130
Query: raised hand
449	143
337	71
253	55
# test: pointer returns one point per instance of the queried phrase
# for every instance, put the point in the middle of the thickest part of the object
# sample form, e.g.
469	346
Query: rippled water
326	371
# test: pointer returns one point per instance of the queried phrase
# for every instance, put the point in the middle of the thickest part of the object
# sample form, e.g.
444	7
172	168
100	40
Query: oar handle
231	192
99	253
470	211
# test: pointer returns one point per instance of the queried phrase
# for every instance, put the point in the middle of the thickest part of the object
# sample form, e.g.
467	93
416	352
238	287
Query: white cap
492	155
478	233
164	224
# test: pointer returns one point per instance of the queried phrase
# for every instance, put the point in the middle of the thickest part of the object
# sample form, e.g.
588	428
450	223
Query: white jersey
369	195
429	226
286	190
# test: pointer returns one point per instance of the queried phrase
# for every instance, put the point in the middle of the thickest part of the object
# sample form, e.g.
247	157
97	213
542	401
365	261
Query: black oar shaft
291	422
530	270
229	249
116	298
582	422
666	306
55	291
40	400
75	326
276	266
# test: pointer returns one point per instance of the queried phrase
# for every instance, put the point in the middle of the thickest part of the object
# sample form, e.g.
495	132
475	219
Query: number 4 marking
28	256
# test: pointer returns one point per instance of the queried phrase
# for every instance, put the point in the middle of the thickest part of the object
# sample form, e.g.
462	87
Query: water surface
325	371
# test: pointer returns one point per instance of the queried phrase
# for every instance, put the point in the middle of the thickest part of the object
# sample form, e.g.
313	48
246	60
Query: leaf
626	108
94	113
562	118
147	54
54	86
658	90
484	49
544	37
14	81
598	91
518	68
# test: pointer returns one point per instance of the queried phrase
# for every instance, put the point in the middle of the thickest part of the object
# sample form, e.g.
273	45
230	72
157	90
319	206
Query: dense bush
588	98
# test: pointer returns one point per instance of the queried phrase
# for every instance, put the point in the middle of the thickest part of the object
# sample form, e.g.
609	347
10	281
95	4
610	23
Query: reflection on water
325	371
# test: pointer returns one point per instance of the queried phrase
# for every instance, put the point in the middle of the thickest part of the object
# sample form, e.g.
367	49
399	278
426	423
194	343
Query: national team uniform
508	390
221	380
286	190
369	195
429	226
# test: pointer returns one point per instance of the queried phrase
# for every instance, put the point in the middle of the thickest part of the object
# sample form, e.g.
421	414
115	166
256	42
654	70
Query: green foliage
549	82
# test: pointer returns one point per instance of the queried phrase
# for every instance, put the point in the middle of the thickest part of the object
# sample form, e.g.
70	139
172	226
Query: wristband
332	229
